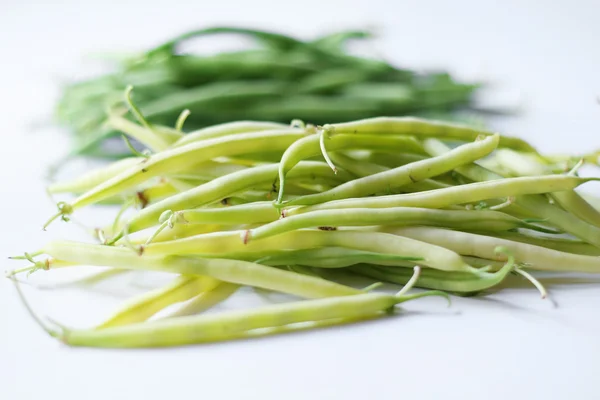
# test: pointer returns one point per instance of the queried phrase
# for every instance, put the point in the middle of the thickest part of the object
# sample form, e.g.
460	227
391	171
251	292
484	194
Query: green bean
219	188
141	308
177	159
405	174
233	271
178	231
333	257
422	128
206	300
535	257
211	96
459	282
231	242
144	135
94	177
334	41
400	216
310	147
360	169
251	213
331	80
559	244
572	202
468	193
228	128
233	324
390	160
536	204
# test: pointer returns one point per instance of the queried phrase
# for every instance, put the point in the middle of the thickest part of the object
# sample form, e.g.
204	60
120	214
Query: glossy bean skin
405	174
227	325
423	128
400	216
539	258
461	194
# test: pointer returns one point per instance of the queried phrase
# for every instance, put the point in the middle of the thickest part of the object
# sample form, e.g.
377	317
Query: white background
543	54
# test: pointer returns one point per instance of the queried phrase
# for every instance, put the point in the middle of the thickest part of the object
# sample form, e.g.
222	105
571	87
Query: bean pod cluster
325	213
274	77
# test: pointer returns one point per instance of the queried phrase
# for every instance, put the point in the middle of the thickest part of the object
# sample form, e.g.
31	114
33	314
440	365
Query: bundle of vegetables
281	79
300	209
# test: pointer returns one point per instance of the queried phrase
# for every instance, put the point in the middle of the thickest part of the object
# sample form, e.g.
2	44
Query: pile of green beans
325	213
278	78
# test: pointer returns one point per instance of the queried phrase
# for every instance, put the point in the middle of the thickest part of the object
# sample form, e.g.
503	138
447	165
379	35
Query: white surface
509	345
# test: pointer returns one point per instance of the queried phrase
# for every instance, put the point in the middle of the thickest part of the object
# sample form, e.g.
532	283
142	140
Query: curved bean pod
405	174
459	282
310	147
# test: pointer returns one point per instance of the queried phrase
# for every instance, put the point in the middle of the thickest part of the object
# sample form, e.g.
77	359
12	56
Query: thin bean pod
310	147
565	245
468	193
536	204
334	257
458	282
570	200
180	158
205	300
220	188
536	257
399	216
230	242
405	174
141	308
233	271
94	177
423	128
227	325
228	128
252	213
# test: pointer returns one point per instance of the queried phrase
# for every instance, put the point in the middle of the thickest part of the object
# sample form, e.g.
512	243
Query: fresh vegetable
399	200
